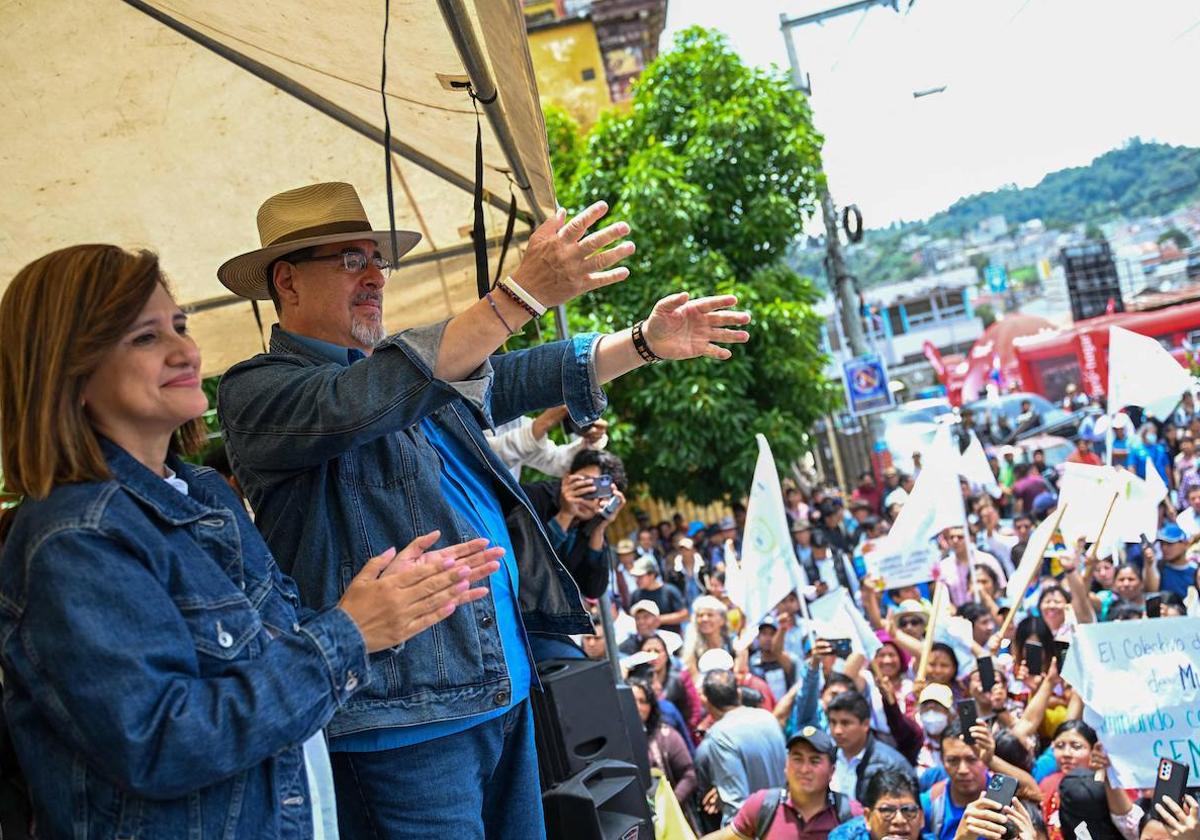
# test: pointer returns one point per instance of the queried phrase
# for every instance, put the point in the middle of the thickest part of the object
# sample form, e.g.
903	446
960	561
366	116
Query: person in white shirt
996	542
525	442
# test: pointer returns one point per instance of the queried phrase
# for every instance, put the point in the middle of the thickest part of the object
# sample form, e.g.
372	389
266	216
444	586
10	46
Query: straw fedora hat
320	214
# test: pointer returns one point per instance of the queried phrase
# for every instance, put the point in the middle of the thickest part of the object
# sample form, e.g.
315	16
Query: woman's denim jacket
160	675
337	470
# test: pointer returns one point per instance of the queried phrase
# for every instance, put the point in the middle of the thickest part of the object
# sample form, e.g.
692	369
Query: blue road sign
997	278
866	382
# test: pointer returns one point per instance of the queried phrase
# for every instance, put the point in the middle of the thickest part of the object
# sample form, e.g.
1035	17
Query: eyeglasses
354	262
889	812
911	622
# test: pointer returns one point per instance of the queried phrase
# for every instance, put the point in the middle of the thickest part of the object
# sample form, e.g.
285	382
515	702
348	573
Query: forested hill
1139	179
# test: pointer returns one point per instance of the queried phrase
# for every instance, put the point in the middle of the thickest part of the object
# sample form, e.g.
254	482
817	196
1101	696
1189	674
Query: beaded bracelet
515	298
640	345
492	302
511	286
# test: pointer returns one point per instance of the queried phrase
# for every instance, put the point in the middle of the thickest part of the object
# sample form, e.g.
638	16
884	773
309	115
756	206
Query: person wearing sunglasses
346	438
892	810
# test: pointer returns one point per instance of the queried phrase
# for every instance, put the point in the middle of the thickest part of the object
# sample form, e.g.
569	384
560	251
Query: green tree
715	167
1182	240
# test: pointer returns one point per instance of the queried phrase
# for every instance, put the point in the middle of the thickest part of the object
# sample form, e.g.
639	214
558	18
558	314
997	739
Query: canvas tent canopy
166	124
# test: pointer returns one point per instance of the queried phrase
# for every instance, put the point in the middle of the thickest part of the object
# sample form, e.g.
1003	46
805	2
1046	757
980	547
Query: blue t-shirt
1177	580
951	814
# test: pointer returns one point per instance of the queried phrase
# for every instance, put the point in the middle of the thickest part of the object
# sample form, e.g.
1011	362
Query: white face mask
934	723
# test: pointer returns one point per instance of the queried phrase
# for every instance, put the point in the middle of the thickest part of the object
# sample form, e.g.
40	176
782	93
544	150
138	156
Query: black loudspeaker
1092	280
577	719
606	801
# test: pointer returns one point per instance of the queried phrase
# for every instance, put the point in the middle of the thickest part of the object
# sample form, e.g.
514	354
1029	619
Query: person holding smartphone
577	517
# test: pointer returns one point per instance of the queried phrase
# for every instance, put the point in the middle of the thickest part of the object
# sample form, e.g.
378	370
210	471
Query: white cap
717	659
644	605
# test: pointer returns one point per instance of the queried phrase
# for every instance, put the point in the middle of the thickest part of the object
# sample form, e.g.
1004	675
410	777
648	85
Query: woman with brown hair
161	677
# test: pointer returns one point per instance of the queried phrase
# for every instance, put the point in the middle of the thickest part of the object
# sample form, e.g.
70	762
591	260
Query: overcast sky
1033	86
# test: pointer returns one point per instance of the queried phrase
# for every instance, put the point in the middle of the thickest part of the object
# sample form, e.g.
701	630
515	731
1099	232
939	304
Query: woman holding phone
161	677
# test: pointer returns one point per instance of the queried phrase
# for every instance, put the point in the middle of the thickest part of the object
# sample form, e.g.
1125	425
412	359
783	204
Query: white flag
769	567
1089	490
935	502
1141	372
835	616
1031	560
973	466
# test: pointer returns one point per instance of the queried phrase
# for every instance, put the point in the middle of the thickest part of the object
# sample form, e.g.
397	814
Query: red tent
991	359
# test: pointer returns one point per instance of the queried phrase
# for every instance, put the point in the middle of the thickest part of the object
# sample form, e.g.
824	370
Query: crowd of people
791	736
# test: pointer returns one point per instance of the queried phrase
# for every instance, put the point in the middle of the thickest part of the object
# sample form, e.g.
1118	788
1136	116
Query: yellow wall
561	55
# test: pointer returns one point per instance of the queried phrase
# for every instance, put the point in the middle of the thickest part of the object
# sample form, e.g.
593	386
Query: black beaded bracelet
640	345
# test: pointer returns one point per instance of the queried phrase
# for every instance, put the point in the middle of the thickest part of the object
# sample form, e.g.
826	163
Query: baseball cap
937	693
801	524
625	547
1171	533
717	659
726	524
1043	502
769	620
645	605
686	542
815	738
645	566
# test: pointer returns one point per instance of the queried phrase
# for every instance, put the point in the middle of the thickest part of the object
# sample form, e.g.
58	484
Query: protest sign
1135	513
904	567
1140	681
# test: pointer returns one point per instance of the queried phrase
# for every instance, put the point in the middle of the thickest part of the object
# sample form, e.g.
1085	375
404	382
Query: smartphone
1060	653
1033	657
968	714
841	648
602	487
987	673
1171	781
610	507
1001	789
1153	604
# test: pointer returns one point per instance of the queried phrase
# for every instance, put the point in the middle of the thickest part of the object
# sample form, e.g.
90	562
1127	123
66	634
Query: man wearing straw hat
344	438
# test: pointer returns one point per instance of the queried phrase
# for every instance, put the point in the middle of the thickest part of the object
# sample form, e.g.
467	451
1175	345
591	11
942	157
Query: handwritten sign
1140	681
915	564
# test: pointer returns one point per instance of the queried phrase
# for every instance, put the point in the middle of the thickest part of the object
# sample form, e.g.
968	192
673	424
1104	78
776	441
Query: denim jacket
337	470
160	674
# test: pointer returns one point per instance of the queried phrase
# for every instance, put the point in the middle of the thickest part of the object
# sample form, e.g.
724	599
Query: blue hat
695	528
1043	502
1171	533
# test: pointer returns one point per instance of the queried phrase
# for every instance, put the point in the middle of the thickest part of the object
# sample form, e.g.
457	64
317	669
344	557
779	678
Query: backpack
773	799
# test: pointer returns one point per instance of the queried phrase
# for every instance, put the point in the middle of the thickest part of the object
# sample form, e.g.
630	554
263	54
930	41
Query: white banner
1156	711
915	564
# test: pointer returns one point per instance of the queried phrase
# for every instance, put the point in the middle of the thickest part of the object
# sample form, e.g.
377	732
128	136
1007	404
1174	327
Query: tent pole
471	53
320	103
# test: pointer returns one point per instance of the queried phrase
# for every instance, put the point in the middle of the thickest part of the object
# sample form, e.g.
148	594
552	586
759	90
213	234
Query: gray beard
365	333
